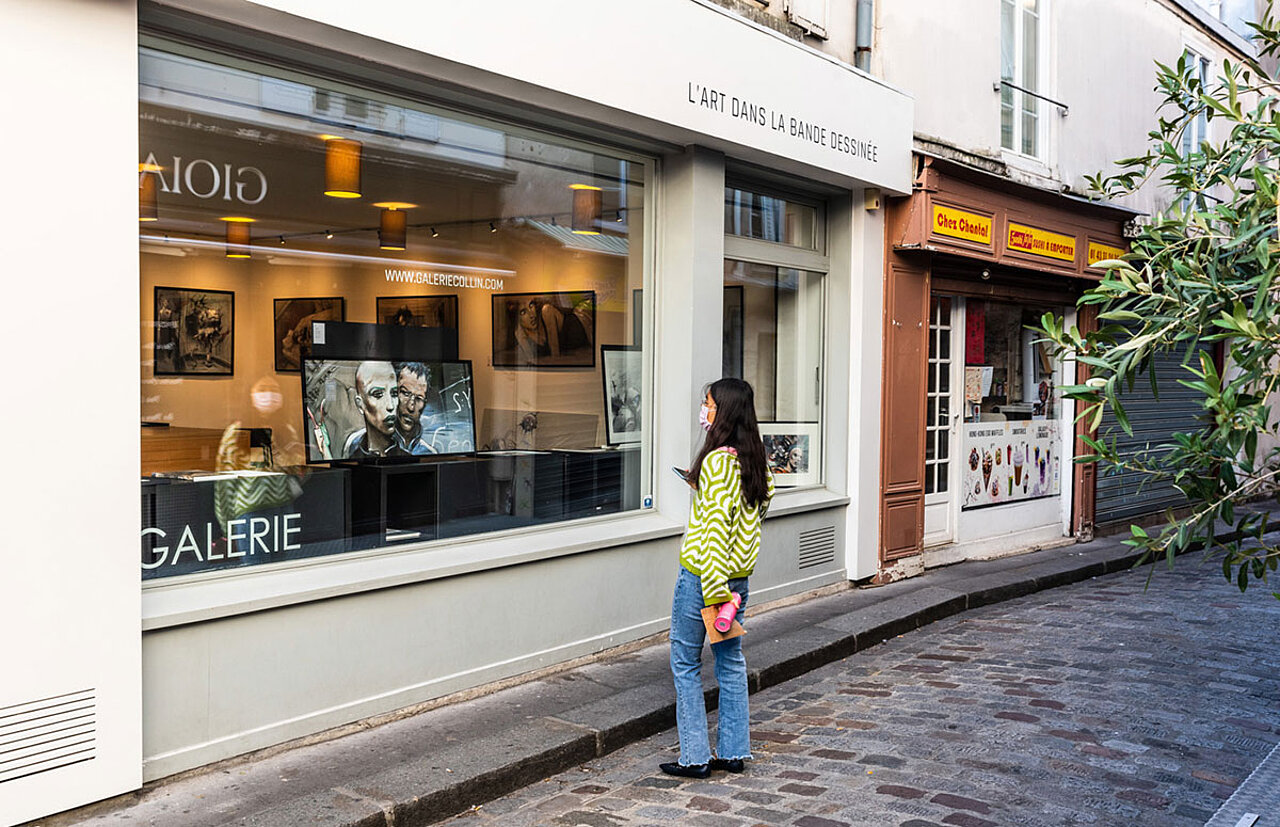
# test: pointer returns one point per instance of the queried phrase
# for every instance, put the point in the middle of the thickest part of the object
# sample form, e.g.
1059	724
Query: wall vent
43	735
817	547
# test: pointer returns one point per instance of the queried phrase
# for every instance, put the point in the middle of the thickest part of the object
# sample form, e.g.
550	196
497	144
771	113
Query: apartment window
1198	130
1020	67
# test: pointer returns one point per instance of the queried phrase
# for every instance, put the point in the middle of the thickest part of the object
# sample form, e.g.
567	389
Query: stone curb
822	644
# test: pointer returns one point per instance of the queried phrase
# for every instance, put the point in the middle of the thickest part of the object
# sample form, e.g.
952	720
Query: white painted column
857	242
69	587
688	315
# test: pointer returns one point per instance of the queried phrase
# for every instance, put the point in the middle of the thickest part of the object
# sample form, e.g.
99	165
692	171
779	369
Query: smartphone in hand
682	473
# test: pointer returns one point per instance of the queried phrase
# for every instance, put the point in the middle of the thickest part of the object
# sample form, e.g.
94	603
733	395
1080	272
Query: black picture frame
622	382
731	354
637	317
194	332
576	310
291	326
418	311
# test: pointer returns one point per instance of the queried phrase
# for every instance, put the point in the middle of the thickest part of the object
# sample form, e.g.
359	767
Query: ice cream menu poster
1005	462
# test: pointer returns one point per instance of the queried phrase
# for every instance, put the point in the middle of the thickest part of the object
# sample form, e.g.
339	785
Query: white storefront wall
69	652
236	661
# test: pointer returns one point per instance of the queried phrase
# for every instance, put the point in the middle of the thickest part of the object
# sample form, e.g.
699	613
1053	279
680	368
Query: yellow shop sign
1102	252
1039	242
960	224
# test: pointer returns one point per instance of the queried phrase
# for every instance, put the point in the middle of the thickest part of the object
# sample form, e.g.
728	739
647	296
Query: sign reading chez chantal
960	224
1039	242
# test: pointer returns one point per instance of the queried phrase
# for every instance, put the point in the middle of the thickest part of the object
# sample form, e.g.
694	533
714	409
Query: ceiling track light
148	192
238	236
434	234
341	167
393	224
586	209
492	228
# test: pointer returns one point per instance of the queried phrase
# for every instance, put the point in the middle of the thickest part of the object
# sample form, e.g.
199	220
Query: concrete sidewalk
437	763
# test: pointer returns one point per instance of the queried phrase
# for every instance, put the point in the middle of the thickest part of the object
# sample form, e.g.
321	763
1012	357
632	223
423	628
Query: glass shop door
942	417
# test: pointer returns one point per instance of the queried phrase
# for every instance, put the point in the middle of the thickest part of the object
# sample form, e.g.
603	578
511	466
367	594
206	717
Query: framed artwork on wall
544	330
637	317
418	311
622	393
293	318
793	451
195	332
731	352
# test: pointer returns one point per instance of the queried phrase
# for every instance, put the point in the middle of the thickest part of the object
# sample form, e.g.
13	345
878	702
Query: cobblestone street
1096	703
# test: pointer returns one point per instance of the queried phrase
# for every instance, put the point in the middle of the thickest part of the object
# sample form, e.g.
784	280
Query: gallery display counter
167	448
209	521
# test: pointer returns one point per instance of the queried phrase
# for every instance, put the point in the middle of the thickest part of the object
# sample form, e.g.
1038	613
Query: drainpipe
863	34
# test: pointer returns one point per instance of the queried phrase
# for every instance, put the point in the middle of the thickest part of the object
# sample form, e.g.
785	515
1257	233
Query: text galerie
267	535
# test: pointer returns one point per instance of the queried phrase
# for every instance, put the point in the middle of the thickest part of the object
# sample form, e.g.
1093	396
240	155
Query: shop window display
774	322
368	322
773	335
1012	407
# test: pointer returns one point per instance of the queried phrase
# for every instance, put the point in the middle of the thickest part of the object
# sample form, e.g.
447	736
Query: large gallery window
369	322
774	324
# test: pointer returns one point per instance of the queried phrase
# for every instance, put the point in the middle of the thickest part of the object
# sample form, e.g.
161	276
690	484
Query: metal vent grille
43	735
817	547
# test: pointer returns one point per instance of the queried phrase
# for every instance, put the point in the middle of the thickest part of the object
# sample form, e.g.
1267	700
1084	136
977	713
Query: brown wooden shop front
968	236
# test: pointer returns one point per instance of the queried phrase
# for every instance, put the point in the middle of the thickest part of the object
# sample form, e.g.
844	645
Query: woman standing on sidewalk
733	487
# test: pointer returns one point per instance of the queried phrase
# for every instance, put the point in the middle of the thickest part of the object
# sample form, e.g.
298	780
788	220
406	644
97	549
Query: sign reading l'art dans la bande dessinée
696	72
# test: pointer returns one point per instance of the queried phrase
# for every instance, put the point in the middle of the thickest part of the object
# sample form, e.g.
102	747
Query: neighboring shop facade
978	442
421	325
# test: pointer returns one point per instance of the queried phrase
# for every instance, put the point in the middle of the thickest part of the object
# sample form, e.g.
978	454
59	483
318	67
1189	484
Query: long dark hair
736	427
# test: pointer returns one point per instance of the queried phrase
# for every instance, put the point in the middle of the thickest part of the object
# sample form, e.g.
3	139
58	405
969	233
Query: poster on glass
372	409
793	452
622	399
537	330
1011	461
293	318
195	332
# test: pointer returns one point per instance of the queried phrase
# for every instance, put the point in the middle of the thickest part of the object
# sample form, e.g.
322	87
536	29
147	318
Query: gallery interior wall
213	402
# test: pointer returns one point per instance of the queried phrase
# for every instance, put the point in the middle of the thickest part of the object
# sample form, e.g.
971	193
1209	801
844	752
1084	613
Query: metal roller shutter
1178	409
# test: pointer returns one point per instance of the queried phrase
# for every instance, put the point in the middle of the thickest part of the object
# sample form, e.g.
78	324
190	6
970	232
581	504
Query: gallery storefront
978	441
420	320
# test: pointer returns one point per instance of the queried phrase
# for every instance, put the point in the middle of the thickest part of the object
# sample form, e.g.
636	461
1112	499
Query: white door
941	417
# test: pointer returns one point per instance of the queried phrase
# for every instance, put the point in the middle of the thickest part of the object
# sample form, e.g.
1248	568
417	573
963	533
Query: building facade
402	328
1018	103
423	314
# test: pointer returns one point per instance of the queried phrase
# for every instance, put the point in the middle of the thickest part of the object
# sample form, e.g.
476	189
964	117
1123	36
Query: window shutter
810	15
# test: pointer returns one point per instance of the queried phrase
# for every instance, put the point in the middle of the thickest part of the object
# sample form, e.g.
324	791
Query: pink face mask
703	412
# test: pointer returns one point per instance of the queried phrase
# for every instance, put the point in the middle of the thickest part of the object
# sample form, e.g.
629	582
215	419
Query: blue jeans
687	636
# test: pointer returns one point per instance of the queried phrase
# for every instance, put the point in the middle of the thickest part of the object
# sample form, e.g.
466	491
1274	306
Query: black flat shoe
728	764
691	771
